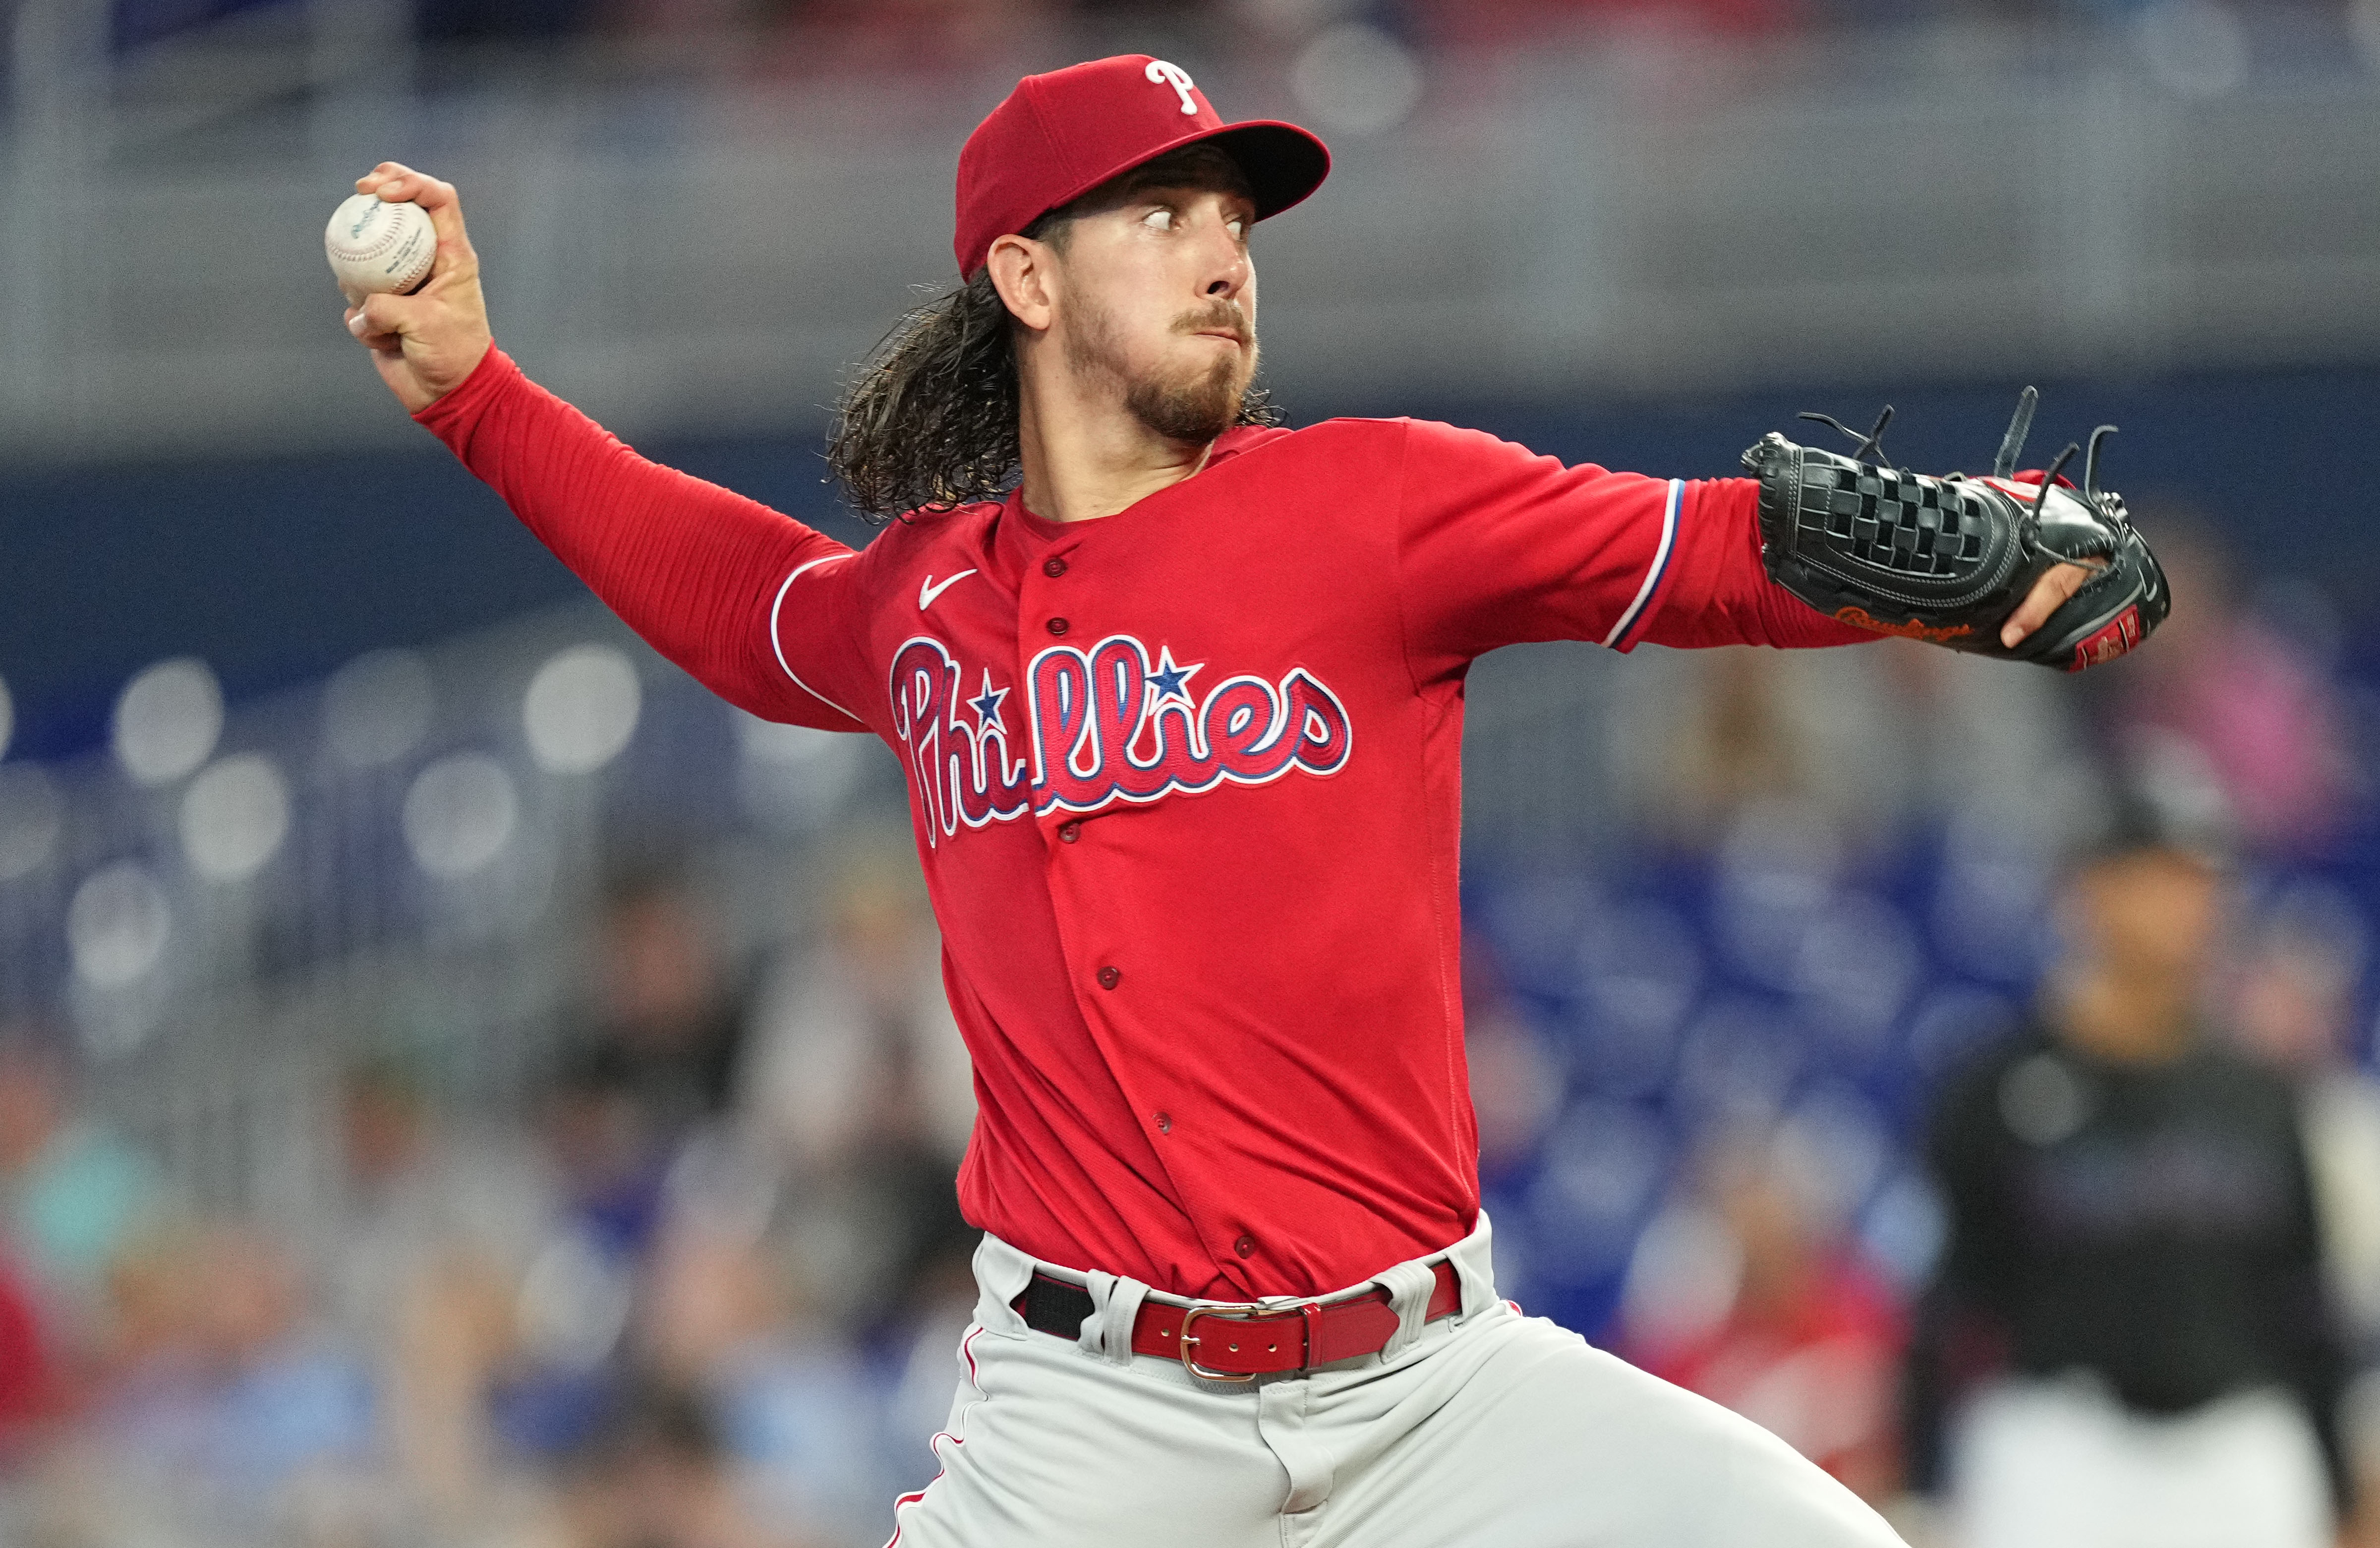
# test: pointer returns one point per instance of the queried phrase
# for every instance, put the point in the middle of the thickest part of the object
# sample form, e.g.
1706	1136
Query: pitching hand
425	344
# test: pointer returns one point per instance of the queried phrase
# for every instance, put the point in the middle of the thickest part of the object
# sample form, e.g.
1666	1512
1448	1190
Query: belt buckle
1238	1312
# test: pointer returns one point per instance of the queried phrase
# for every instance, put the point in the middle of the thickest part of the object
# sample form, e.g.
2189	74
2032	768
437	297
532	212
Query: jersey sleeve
1498	545
757	607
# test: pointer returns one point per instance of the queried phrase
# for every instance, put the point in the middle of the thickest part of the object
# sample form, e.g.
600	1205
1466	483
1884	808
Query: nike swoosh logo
929	592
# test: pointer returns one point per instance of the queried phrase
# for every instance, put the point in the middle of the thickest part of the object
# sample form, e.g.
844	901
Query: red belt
1238	1343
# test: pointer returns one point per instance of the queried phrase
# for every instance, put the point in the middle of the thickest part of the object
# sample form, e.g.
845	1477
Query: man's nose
1228	271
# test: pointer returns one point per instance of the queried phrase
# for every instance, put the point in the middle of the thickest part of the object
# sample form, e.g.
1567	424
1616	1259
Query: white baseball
377	245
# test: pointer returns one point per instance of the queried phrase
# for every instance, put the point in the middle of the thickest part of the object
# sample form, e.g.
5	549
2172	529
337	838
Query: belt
1238	1342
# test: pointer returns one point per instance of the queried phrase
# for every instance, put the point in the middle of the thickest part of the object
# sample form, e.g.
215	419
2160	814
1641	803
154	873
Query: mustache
1221	317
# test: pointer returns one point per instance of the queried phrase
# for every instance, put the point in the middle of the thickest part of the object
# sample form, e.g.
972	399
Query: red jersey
1185	787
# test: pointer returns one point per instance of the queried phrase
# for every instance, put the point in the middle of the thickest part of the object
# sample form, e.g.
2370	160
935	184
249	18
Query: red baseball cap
1059	136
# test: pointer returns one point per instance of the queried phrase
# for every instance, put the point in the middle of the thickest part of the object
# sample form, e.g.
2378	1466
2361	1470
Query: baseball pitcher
1179	692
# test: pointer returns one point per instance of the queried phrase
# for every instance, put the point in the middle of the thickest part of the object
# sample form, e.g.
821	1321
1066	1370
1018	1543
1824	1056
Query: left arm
1729	599
1497	545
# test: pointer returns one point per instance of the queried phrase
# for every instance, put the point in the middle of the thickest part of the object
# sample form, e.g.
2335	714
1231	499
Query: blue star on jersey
1171	680
986	706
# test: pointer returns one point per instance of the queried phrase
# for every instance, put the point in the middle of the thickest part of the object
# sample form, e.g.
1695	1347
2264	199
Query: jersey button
1057	626
1165	1123
1053	568
1109	978
1070	831
1245	1246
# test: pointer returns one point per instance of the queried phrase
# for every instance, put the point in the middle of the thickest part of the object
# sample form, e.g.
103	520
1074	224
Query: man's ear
1023	272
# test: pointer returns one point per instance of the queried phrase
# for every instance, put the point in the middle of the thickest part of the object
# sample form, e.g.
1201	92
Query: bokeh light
1356	79
378	707
117	924
581	708
166	721
459	814
235	815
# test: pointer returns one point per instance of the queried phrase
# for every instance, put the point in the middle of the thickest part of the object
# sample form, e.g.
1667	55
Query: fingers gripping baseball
426	343
379	321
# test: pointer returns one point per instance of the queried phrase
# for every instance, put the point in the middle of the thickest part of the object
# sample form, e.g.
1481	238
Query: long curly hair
929	420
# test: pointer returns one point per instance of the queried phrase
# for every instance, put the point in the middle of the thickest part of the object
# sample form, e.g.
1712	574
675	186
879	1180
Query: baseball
375	246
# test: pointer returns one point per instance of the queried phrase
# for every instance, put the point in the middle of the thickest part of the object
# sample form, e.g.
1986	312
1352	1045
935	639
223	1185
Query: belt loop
1474	1259
1409	1287
1116	1306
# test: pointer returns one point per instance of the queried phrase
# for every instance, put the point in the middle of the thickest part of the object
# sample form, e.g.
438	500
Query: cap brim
1283	162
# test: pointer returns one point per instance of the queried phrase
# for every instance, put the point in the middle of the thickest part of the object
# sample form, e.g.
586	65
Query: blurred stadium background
453	1065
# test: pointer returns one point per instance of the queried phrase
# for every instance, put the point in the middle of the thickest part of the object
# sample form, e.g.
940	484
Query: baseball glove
1948	559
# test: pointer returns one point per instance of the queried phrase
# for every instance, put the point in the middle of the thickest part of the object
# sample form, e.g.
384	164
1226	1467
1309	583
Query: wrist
447	383
482	377
454	410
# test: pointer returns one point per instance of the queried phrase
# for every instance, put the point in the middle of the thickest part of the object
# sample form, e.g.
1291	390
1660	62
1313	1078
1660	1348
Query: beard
1191	407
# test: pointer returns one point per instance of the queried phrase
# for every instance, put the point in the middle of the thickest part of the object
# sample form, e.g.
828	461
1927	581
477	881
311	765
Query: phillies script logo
1099	726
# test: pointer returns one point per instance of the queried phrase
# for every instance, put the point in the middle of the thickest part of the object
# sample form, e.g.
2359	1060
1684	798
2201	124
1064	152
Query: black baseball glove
1948	559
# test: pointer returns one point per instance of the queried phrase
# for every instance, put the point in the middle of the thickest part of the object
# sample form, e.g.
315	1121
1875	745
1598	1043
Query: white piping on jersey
778	644
1661	563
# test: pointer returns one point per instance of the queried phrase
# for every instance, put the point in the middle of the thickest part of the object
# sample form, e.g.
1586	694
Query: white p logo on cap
1162	73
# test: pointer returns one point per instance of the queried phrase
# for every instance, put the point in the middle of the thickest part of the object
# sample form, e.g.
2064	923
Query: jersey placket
1060	602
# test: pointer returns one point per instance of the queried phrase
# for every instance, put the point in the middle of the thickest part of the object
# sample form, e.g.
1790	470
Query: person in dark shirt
669	1016
2126	1340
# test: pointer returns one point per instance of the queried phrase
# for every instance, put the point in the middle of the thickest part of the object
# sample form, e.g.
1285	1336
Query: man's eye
1161	219
1238	228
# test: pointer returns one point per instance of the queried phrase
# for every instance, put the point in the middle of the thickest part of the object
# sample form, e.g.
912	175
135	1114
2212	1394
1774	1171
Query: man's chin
1191	412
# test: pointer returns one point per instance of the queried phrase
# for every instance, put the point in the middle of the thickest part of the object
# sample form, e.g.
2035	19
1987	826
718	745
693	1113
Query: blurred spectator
2128	1317
29	1389
859	1080
1741	743
1867	739
224	1415
73	1195
794	1407
657	1478
2258	704
1752	1295
423	1262
669	1021
2292	1004
420	1196
566	1370
1699	738
1515	1084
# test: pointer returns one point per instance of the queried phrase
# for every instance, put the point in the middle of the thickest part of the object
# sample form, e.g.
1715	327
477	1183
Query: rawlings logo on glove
1948	559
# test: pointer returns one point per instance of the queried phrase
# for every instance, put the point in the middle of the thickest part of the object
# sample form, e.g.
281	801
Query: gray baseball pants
1486	1427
